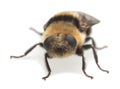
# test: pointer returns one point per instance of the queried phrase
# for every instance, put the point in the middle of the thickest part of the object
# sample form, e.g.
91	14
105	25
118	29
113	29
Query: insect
65	34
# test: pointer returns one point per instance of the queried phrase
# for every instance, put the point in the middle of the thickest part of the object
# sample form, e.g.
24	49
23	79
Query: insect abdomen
65	18
81	20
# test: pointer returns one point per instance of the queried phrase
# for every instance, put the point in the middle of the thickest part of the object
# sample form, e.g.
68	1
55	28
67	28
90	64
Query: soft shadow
71	64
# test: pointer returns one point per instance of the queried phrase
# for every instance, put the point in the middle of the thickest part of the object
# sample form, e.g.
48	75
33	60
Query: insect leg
48	67
84	67
95	56
28	51
94	43
80	53
36	31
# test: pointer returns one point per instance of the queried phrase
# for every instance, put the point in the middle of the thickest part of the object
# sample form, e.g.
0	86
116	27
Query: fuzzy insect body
65	34
75	24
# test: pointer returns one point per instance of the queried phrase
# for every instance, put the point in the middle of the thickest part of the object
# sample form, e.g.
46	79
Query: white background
16	16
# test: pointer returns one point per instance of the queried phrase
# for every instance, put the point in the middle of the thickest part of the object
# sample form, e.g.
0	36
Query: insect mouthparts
59	50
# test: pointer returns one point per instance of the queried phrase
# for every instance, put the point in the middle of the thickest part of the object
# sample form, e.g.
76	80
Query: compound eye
71	40
47	43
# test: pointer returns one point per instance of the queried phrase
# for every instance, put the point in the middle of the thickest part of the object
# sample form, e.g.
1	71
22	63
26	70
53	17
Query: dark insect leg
84	67
28	51
94	43
36	31
80	53
95	56
48	67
